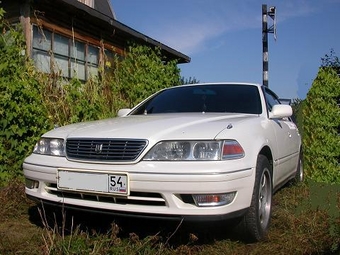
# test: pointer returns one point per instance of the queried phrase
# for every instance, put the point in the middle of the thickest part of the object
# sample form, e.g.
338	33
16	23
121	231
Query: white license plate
86	181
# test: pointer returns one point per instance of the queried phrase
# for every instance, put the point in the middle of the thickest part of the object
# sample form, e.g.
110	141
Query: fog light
31	184
214	199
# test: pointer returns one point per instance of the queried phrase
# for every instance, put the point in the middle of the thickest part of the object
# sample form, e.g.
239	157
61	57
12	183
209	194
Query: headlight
195	150
170	151
50	146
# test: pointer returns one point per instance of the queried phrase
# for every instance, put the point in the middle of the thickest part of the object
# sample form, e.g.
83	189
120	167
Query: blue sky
223	38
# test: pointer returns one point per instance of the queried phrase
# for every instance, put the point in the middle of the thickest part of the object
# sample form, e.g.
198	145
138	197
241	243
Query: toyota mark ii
210	151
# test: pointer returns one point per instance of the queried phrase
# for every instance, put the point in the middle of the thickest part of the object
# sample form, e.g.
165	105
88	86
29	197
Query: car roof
215	83
222	83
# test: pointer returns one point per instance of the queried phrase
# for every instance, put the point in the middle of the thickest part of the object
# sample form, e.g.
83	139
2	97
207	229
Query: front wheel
299	176
255	223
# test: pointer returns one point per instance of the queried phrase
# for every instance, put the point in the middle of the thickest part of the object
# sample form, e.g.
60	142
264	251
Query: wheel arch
267	152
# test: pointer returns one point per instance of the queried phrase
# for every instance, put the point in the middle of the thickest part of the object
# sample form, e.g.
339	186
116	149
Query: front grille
104	149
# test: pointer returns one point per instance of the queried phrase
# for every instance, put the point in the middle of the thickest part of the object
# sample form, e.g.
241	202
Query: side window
271	99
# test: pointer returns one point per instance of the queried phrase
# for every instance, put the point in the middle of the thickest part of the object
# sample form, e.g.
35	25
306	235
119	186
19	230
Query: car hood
155	127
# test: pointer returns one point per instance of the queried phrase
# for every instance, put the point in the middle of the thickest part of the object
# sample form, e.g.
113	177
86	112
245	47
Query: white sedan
208	151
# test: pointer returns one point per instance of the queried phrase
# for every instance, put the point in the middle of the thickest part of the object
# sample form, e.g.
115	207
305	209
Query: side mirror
280	111
123	112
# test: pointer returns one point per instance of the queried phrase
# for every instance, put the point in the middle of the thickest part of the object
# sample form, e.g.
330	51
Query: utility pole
265	30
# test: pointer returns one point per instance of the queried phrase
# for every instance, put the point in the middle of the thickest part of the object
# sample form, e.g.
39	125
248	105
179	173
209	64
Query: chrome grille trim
104	149
135	198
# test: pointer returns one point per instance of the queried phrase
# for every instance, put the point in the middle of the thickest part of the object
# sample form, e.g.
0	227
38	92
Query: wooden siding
74	19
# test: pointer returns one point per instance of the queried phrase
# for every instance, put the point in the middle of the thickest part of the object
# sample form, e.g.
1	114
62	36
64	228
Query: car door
287	138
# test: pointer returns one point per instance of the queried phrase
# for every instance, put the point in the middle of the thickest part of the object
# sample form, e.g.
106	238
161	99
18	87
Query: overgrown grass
305	220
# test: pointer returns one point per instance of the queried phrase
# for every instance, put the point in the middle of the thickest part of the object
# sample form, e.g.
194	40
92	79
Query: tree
191	80
332	61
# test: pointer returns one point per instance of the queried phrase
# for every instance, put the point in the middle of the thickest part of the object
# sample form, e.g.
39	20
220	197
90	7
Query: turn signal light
232	150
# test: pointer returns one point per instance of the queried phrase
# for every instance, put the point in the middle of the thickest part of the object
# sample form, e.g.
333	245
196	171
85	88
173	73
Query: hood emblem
99	148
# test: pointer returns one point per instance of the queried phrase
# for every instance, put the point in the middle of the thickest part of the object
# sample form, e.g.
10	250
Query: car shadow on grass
171	232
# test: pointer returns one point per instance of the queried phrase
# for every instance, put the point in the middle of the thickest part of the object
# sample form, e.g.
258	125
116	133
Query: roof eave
181	58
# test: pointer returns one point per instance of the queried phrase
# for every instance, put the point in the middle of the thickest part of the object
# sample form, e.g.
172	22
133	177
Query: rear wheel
255	223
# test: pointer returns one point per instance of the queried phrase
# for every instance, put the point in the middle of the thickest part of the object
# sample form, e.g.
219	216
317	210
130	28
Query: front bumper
158	189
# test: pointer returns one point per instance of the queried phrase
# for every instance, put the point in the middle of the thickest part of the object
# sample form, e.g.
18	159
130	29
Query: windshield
204	98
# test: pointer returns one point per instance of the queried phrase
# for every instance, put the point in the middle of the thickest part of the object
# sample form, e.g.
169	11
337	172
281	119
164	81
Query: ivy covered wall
32	102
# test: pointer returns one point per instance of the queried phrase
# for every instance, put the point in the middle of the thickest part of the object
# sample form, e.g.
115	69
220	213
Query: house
76	37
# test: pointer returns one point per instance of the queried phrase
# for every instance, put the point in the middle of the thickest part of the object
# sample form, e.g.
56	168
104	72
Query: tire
299	175
254	225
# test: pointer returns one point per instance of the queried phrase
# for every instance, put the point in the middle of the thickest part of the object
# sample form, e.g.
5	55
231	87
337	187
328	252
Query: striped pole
265	45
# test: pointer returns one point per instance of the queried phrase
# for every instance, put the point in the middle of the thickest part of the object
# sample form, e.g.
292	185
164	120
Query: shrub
70	101
321	119
297	105
141	73
22	115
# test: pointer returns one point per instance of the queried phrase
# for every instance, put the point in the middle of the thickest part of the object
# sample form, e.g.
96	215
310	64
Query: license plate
93	182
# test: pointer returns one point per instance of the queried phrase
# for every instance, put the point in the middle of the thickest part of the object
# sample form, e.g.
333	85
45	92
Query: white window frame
48	59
